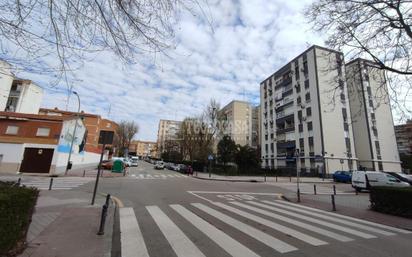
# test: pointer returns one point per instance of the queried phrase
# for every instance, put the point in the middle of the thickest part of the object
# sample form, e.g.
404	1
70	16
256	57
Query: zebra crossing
43	183
157	176
281	226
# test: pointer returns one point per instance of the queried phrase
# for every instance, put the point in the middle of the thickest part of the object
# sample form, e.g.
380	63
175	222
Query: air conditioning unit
302	106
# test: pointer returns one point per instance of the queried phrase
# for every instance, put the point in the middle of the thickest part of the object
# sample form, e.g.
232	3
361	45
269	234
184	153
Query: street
169	214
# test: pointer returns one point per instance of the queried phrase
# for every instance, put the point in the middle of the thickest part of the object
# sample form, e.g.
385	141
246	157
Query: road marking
176	238
334	219
270	241
164	176
149	176
320	222
228	244
141	176
349	218
315	229
132	242
283	229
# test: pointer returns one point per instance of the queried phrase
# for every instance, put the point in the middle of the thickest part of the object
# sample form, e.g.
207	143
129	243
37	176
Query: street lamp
297	173
74	132
210	157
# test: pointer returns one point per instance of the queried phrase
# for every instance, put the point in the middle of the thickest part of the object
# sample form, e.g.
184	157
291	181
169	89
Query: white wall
85	160
6	80
30	99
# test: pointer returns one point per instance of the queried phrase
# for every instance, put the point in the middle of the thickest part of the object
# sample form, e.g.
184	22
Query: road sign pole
98	174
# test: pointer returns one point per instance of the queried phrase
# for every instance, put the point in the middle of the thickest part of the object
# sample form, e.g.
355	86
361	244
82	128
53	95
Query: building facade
303	123
374	134
403	135
6	80
167	132
24	97
31	143
143	149
237	122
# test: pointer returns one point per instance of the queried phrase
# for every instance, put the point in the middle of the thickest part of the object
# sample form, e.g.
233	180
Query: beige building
373	129
168	131
143	148
305	117
240	122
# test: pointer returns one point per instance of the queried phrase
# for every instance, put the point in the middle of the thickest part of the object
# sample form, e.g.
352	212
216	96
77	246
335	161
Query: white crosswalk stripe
230	245
246	218
180	243
43	183
157	176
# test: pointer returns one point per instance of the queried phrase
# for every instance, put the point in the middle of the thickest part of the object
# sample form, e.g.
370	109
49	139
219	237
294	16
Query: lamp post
74	132
297	174
210	158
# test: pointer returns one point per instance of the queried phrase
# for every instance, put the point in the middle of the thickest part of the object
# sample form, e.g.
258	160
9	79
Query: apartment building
403	135
237	122
6	80
143	148
305	115
256	126
167	132
373	130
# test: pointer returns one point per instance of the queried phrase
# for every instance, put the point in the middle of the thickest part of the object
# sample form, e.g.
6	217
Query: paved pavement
43	183
193	217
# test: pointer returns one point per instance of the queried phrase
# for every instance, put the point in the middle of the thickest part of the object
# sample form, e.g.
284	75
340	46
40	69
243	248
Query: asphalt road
183	216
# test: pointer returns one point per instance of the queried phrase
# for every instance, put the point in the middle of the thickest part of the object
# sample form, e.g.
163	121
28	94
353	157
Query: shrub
16	208
392	200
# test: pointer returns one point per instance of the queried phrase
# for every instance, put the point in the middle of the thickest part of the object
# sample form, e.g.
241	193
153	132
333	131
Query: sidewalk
64	224
92	173
205	175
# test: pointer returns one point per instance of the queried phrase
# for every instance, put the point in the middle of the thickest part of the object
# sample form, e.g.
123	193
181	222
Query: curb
230	180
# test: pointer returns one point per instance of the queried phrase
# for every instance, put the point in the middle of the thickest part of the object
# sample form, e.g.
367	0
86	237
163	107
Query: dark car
401	176
342	176
107	164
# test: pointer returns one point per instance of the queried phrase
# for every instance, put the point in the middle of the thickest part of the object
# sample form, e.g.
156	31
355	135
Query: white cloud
224	55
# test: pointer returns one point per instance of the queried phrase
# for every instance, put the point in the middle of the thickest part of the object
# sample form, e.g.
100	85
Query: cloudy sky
226	59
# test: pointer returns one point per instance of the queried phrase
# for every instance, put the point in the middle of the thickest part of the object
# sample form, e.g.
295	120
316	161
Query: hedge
16	208
392	200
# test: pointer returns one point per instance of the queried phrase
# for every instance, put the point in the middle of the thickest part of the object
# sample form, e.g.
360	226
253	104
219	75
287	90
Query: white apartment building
6	80
24	97
237	122
168	131
373	130
305	117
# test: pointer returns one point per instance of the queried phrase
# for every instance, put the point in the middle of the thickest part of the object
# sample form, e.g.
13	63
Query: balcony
286	144
284	82
285	129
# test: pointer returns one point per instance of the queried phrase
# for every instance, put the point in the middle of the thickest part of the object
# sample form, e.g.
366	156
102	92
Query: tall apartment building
403	134
6	80
256	126
373	130
143	148
167	132
237	122
305	117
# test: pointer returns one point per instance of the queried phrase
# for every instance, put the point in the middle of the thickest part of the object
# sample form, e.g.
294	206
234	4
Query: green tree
246	157
226	150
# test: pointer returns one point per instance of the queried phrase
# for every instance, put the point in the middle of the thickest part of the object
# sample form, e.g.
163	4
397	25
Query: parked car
159	165
401	176
134	161
182	168
169	165
175	167
367	179
342	176
107	164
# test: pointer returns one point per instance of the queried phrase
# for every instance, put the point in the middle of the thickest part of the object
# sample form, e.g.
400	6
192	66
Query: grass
16	208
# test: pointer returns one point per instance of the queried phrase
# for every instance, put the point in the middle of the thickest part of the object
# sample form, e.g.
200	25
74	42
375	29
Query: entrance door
36	160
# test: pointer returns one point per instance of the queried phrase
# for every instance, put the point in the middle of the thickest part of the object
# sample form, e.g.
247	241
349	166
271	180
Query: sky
226	58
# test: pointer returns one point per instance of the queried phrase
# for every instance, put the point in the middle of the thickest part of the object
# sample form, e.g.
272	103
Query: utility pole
297	174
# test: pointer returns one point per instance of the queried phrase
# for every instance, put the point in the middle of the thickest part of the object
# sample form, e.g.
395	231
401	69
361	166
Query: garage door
36	160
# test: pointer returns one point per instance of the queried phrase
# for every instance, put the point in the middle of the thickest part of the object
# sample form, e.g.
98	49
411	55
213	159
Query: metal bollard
290	178
103	216
51	184
276	178
334	189
314	190
356	192
333	203
298	196
84	173
18	182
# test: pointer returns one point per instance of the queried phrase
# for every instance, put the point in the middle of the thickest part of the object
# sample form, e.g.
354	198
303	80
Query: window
266	137
381	169
346	126
342	97
308	111
12	130
307	84
271	135
297	88
305	68
348	148
271	147
378	149
341	84
298	100
266	148
369	90
300	127
310	126
307	97
344	115
373	116
301	145
43	132
371	103
296	70
300	115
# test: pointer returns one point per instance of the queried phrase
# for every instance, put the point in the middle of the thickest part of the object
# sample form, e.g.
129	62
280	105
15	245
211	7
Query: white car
134	161
159	165
367	179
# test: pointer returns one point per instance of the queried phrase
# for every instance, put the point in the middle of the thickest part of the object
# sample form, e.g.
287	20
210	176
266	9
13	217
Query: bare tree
124	135
68	29
379	30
